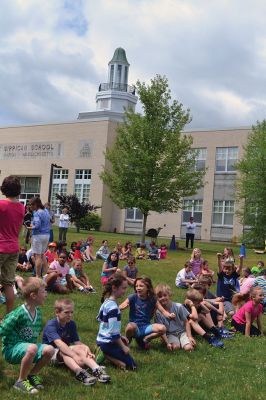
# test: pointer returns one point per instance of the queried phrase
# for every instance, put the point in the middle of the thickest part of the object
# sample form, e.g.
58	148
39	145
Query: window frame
195	206
226	159
223	205
135	210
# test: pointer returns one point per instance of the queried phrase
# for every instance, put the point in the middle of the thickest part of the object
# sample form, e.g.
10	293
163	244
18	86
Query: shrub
90	221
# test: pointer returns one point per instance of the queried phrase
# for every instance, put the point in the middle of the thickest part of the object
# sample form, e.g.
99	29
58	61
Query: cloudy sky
54	54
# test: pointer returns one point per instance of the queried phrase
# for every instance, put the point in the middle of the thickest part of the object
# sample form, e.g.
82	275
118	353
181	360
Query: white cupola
116	94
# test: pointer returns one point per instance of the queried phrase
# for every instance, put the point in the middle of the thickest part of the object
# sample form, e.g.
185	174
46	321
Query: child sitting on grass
113	346
20	330
58	279
202	316
251	311
185	277
205	270
142	306
141	253
228	284
178	331
61	333
130	271
79	279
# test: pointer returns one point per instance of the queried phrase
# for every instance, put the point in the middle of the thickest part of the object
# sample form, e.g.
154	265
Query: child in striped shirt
112	344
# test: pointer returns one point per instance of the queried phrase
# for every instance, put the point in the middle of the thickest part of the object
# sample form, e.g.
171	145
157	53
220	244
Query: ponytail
115	280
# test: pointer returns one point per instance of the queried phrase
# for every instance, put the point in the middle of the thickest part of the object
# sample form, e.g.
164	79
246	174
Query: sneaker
225	334
92	290
100	357
101	375
26	387
85	378
35	381
213	341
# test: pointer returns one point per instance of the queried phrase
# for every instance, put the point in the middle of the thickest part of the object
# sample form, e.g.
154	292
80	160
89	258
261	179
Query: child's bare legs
206	319
47	354
157	331
82	357
10	297
116	362
50	282
27	360
220	317
131	330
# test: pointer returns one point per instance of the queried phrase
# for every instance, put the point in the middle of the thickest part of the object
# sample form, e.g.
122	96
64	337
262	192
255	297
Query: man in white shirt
190	232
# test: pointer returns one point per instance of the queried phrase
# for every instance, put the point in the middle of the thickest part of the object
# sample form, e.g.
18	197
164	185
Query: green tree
77	209
251	186
152	162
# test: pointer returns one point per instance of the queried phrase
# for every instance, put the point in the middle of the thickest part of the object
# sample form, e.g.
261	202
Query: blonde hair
32	285
60	304
162	288
194	251
194	295
205	280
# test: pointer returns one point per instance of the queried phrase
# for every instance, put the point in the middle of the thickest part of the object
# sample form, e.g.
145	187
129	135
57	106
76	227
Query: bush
90	221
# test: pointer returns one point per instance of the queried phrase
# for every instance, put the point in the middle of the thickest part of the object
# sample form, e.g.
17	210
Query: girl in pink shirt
252	310
58	278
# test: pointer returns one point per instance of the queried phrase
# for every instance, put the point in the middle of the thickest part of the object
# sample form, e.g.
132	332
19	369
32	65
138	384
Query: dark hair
109	261
11	186
248	270
187	264
115	280
73	244
36	201
126	244
148	283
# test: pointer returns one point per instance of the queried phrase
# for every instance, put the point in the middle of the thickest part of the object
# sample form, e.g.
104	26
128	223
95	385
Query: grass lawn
235	372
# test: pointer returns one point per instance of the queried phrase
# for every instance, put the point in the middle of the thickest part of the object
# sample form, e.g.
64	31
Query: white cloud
54	53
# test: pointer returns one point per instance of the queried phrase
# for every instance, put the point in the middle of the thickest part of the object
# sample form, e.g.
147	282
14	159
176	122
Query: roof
119	56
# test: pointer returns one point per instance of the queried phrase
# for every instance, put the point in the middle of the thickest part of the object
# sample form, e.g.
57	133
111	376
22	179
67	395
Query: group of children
152	314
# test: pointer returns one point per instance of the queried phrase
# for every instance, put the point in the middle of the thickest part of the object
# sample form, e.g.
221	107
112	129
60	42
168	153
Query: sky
54	54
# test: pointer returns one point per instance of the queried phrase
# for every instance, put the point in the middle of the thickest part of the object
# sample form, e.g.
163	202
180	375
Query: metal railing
119	87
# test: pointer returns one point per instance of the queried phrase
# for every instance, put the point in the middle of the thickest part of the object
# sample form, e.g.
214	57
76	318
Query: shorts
8	266
14	354
228	307
104	280
39	243
56	360
180	339
143	330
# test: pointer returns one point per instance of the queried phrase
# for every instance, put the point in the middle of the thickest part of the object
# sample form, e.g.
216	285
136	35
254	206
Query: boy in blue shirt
61	332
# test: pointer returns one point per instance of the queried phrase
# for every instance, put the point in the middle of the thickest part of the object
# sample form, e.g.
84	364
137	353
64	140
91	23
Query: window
112	74
200	159
134	214
223	212
59	186
226	158
60	174
30	184
192	208
83	174
119	73
82	184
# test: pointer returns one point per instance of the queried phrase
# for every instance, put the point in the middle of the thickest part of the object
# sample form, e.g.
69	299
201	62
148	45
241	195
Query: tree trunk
77	226
143	234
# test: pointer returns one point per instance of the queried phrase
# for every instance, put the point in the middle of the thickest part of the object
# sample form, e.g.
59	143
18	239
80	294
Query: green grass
235	372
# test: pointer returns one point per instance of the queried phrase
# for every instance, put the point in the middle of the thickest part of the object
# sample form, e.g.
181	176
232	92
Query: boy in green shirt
20	330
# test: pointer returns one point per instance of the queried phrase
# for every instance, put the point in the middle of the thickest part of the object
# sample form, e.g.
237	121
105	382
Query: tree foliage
251	185
77	209
152	162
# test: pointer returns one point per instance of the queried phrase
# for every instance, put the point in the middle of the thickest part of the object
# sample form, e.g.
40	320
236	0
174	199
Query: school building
67	158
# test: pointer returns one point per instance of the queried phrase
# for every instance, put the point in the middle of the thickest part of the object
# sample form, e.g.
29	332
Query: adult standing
11	217
52	220
190	232
40	235
63	225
